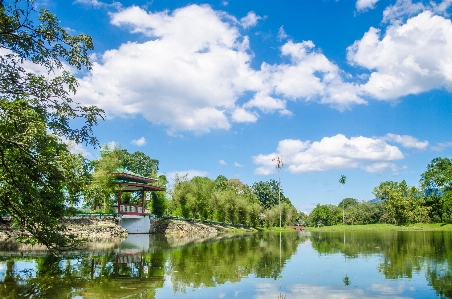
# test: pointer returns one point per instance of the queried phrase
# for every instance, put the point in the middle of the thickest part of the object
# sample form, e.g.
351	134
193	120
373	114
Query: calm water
287	265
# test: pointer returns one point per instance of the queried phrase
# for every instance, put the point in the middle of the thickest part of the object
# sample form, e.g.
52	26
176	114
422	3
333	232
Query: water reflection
273	265
137	267
404	254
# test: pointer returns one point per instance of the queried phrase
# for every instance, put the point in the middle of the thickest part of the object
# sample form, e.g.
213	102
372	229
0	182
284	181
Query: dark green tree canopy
268	193
39	178
438	175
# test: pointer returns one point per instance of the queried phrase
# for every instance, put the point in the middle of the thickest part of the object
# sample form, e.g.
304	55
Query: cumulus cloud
237	164
362	5
250	20
336	152
310	76
189	76
241	115
409	59
406	141
139	142
186	76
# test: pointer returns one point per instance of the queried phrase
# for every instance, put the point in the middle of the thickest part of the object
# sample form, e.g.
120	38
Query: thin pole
279	165
279	202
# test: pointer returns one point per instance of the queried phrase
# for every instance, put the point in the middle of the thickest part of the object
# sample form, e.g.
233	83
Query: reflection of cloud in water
385	289
2	271
271	291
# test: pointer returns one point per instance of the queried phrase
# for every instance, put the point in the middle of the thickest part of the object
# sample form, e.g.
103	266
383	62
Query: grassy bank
383	227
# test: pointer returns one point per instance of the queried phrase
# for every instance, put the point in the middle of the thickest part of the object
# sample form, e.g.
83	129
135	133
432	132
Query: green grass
276	229
383	227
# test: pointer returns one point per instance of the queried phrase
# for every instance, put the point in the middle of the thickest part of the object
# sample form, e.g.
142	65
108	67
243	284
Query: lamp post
279	165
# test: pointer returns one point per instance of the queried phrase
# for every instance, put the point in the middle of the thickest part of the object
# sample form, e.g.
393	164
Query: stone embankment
174	227
88	227
95	227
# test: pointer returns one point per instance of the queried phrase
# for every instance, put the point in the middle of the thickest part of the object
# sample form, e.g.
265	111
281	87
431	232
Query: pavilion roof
130	180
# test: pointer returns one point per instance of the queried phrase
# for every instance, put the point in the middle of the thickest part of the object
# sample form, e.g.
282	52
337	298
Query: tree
103	188
39	177
324	215
267	193
434	182
403	203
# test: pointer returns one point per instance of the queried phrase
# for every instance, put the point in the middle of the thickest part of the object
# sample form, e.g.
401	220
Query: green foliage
402	203
438	175
435	182
363	213
347	203
102	191
268	193
324	215
220	200
39	178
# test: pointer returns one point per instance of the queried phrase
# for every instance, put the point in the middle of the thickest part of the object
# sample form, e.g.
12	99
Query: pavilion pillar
142	201
119	201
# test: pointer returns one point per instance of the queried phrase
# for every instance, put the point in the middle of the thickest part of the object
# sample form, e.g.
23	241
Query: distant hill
375	200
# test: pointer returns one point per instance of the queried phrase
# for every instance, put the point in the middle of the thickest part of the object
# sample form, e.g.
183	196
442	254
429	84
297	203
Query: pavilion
134	217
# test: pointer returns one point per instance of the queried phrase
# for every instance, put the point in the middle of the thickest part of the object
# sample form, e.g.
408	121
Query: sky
356	88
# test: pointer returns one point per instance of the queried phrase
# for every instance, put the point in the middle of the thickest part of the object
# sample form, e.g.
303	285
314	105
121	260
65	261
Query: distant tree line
396	202
231	201
199	198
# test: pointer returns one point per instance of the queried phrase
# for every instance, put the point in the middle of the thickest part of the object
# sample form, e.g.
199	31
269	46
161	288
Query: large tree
39	177
435	182
268	193
402	202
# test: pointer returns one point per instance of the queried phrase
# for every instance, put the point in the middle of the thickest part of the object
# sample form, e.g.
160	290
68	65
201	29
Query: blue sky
356	88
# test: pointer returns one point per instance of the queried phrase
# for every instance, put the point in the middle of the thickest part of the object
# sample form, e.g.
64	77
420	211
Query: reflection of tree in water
403	252
132	274
213	263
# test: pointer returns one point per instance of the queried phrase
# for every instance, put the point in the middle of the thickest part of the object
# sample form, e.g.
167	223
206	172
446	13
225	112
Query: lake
265	265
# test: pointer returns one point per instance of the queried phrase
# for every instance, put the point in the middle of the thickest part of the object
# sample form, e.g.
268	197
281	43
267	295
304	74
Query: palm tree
342	181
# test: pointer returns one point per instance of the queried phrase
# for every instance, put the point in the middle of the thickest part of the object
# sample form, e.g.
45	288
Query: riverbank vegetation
396	202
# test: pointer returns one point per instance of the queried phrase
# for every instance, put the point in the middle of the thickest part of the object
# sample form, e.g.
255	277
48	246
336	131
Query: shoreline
383	227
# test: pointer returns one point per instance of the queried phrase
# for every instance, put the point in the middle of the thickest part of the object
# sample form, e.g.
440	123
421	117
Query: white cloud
362	5
336	152
139	142
267	104
77	148
98	4
187	76
222	162
310	76
237	164
241	115
442	146
381	167
282	33
187	174
250	20
409	59
406	141
403	9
